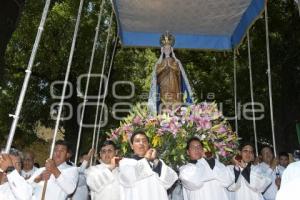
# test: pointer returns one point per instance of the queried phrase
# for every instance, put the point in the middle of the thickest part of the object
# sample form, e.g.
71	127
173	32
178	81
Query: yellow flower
215	128
156	141
124	137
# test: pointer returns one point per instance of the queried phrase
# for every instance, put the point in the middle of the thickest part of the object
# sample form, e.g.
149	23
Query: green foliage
169	131
208	72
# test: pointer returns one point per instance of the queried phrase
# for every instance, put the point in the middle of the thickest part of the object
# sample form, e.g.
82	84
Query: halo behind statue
167	39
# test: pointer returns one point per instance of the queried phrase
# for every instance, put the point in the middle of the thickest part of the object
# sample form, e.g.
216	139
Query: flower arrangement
168	132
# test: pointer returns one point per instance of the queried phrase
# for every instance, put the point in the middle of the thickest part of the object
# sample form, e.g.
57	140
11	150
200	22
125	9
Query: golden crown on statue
167	39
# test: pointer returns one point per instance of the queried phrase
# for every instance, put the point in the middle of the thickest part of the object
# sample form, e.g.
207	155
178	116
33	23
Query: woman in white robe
249	180
203	179
144	176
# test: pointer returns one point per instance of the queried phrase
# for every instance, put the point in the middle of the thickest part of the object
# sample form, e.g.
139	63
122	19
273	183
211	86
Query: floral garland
169	132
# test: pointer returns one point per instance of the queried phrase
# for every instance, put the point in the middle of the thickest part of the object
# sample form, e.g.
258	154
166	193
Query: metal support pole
270	79
88	81
16	116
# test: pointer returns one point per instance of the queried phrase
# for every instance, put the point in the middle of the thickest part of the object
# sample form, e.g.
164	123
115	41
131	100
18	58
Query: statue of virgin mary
169	86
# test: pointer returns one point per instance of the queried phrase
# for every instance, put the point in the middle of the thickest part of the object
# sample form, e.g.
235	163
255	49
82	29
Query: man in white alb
249	180
144	176
203	178
61	178
102	179
12	185
28	164
268	166
290	182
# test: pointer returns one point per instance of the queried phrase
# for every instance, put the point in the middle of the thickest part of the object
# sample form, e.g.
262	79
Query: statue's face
167	50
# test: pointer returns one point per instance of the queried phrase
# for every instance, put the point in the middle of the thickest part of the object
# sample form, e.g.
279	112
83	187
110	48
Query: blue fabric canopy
196	24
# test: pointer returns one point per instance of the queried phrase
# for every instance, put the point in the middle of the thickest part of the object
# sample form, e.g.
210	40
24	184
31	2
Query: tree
210	73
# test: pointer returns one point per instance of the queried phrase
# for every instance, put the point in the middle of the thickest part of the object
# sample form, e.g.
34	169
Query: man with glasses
204	177
12	185
102	179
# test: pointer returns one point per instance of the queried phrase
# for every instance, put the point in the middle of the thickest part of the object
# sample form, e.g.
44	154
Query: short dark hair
266	146
283	153
64	143
243	144
108	142
194	138
138	132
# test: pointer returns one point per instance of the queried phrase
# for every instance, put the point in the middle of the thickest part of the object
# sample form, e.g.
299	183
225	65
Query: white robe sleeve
132	171
291	172
258	181
99	177
193	176
68	179
235	185
19	187
168	176
143	169
222	174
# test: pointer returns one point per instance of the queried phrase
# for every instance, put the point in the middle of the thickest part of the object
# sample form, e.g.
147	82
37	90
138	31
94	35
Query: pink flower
160	132
137	120
222	129
173	129
128	128
223	152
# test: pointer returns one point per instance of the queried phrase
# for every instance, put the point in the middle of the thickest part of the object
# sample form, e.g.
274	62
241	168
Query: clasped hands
151	156
50	168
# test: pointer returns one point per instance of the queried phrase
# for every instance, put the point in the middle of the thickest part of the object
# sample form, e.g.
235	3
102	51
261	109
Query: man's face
107	153
195	150
140	145
28	161
284	161
267	155
247	154
60	154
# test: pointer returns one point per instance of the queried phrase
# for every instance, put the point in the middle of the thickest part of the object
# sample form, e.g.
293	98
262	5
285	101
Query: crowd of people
144	176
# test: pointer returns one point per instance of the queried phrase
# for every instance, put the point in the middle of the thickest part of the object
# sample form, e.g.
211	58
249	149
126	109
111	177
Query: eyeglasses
196	148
